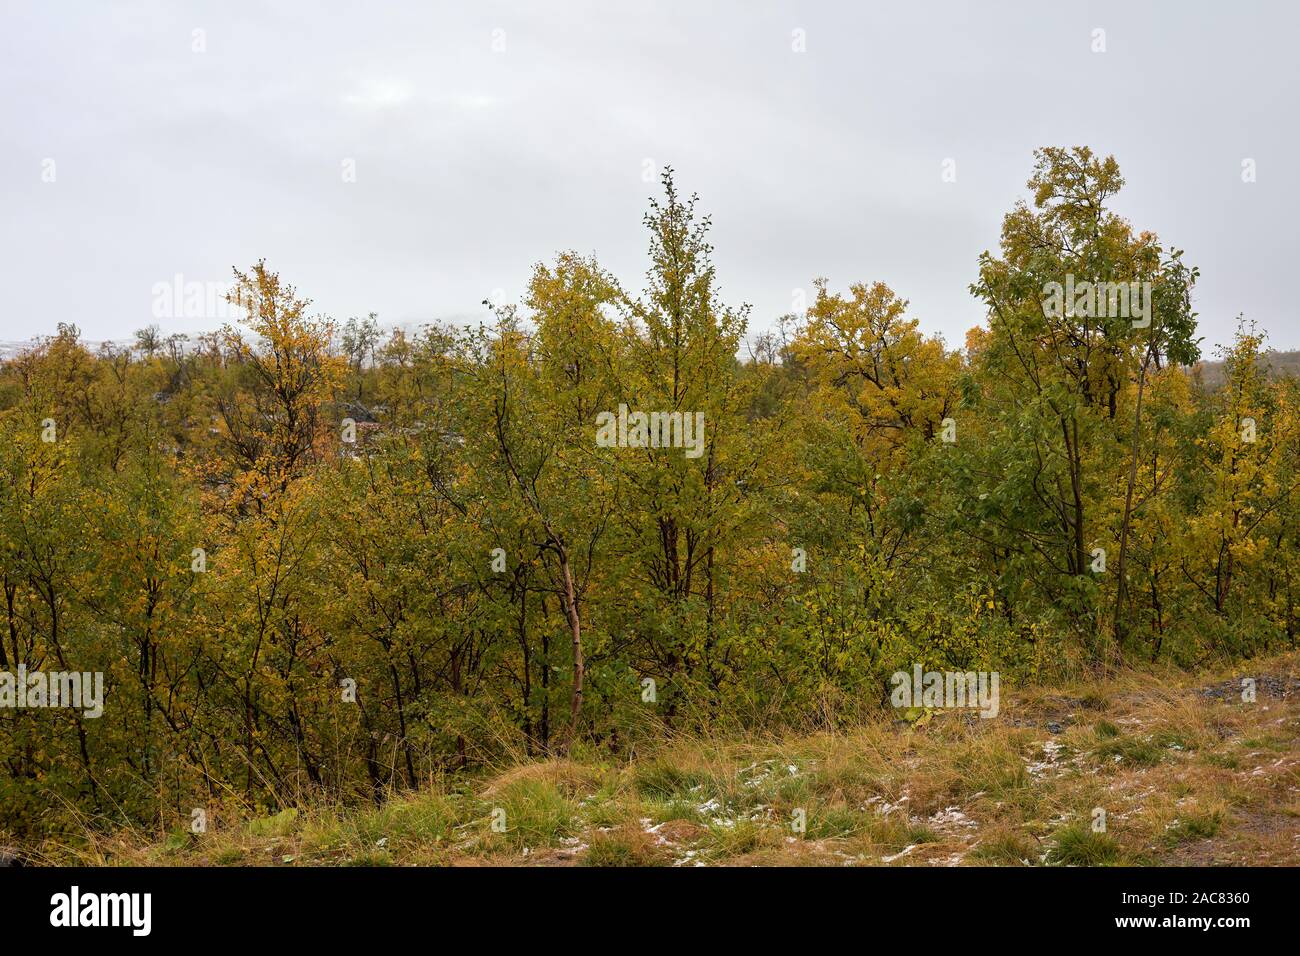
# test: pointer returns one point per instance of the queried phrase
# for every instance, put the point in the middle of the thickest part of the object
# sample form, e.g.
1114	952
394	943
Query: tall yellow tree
272	413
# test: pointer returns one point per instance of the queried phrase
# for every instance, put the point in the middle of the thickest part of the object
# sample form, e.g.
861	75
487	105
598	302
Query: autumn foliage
311	559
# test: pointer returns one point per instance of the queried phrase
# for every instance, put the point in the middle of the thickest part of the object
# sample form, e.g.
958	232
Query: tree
271	409
1072	336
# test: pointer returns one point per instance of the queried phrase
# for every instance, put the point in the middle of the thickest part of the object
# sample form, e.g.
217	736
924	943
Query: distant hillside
1279	365
10	350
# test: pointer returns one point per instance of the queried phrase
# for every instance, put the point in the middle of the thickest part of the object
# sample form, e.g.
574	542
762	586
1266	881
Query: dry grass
1183	777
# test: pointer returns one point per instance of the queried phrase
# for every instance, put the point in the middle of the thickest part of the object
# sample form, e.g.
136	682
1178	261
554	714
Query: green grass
1135	751
1173	740
1104	729
1225	761
660	778
743	836
278	825
1006	849
1078	845
371	858
1194	826
426	820
836	821
537	814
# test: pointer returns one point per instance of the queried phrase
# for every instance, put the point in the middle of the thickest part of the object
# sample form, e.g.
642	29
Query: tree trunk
1121	566
575	628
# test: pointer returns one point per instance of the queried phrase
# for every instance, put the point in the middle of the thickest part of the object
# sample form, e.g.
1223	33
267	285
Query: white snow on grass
951	817
885	807
906	850
1050	763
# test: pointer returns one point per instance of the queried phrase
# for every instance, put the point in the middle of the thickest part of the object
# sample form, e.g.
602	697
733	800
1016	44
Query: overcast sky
487	136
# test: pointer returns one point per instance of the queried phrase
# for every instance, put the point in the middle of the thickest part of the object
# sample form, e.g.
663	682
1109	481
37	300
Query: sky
414	158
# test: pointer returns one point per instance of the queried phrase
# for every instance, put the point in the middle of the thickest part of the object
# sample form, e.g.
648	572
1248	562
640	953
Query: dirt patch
680	831
1252	838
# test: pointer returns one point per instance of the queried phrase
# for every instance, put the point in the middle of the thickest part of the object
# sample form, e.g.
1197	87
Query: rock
1267	685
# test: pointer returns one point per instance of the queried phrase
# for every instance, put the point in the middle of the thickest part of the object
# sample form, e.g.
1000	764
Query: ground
1135	770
